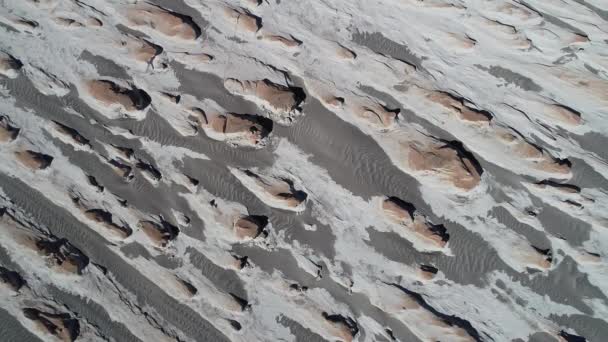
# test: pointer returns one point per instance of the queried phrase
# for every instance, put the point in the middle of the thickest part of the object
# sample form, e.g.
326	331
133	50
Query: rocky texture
406	215
9	65
281	101
62	326
158	19
110	94
34	160
449	160
239	129
275	191
217	170
8	132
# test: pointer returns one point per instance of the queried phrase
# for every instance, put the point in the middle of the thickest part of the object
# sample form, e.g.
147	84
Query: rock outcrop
165	22
62	326
108	93
9	65
8	132
448	160
34	160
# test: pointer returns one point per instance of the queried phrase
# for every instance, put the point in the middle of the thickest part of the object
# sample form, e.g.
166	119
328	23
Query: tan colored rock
243	19
9	65
288	42
109	93
8	132
275	191
68	22
155	232
334	101
427	272
238	128
448	160
94	22
406	215
342	328
34	160
540	159
249	227
62	326
274	96
104	218
563	114
139	49
185	288
73	134
377	115
457	107
345	53
167	23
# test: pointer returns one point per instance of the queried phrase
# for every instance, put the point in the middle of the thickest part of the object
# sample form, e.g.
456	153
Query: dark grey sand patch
63	224
564	284
94	314
560	224
535	237
104	66
225	280
594	142
473	259
302	333
603	13
378	43
593	329
511	77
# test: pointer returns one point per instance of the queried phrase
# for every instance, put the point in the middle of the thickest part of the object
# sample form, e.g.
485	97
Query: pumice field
303	171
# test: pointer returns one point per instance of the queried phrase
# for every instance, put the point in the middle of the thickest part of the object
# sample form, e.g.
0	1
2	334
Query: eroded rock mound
72	133
249	227
540	159
240	129
405	213
345	327
276	191
166	22
62	254
140	49
34	160
8	132
243	19
105	219
273	97
448	159
9	65
11	279
378	115
159	233
61	325
111	94
459	106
